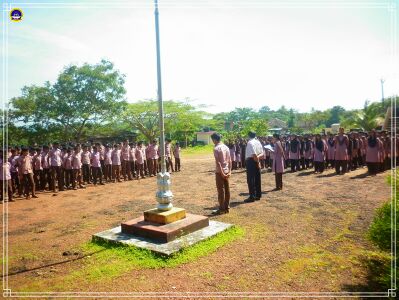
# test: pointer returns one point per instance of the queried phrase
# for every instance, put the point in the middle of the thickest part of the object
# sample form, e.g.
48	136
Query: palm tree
368	118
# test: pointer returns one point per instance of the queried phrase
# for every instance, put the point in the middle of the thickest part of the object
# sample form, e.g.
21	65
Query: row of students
53	167
344	152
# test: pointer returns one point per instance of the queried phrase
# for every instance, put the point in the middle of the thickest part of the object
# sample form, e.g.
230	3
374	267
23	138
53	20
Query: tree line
89	101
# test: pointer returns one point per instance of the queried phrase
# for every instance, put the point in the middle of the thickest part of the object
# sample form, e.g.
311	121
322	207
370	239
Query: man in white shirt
253	153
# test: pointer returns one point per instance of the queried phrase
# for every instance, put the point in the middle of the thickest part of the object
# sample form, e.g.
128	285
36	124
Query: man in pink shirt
25	172
85	159
222	173
77	168
37	168
176	154
168	155
140	160
125	151
15	182
96	166
116	163
108	163
152	158
46	173
5	178
55	165
132	159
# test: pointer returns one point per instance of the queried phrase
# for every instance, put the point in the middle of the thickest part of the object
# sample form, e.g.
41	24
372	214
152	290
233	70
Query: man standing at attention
222	172
253	154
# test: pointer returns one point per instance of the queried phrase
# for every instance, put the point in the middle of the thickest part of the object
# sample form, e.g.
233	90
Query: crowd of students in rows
344	152
53	167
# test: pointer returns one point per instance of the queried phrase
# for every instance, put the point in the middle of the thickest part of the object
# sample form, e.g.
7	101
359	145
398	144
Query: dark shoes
219	212
250	199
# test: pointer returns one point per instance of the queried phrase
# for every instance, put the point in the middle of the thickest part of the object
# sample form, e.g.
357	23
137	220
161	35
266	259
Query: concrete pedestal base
115	235
164	233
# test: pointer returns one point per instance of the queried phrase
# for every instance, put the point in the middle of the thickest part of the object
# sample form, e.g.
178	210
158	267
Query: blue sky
223	54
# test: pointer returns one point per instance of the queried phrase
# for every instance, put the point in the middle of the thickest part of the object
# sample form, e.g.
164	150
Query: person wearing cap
253	153
222	173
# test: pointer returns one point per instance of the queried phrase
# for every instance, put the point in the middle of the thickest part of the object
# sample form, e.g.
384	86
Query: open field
309	237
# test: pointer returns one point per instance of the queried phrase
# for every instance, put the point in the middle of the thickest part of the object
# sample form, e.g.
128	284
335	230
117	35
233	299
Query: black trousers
341	164
253	178
279	180
294	165
319	166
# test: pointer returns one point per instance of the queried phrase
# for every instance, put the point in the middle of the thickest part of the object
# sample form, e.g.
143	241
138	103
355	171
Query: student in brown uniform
223	171
25	173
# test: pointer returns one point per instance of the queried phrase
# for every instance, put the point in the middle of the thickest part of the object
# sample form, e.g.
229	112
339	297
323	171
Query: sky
223	54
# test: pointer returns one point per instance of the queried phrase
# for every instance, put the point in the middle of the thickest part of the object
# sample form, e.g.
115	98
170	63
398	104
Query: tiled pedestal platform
163	232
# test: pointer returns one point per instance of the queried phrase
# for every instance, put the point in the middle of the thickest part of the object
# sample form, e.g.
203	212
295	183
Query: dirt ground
310	237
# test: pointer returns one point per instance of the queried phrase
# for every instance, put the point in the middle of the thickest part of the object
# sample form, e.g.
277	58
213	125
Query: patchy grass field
309	237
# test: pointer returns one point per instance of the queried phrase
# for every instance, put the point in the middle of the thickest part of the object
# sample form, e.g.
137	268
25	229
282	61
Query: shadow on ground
377	279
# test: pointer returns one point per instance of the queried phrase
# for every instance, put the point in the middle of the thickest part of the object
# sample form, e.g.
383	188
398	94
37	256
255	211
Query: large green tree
81	96
181	119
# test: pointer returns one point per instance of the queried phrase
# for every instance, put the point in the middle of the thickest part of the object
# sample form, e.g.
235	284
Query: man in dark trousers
222	173
253	153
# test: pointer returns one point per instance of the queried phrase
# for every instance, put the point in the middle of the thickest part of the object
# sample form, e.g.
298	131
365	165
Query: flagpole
164	195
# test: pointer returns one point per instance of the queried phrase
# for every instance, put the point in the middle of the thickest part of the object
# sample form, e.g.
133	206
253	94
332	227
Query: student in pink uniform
278	161
25	172
125	152
176	154
294	153
37	168
341	152
55	164
85	159
168	155
16	183
108	163
140	159
373	152
5	178
319	154
46	173
77	168
152	158
116	163
132	159
96	166
308	152
222	172
67	164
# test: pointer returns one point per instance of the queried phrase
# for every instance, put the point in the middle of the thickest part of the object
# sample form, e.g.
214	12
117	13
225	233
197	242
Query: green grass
380	234
111	260
207	149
